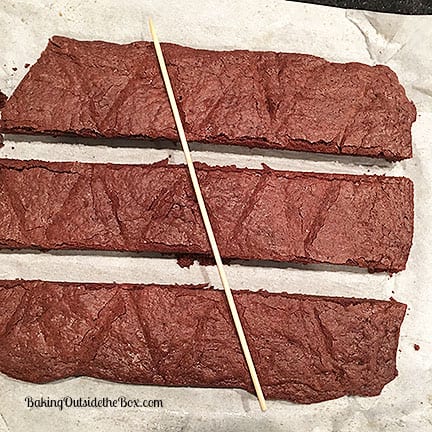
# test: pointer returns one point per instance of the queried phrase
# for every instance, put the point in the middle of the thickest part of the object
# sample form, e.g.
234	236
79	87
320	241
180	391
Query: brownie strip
306	348
255	99
256	214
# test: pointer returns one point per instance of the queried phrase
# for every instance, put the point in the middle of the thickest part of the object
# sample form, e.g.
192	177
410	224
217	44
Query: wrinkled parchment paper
402	42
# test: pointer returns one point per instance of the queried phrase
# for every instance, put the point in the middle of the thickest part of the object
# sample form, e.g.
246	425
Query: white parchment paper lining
404	43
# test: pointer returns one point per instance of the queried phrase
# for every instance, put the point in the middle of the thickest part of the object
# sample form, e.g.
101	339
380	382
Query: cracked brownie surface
306	348
255	99
265	214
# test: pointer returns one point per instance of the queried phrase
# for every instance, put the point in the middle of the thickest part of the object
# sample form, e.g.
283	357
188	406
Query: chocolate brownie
265	214
306	349
255	99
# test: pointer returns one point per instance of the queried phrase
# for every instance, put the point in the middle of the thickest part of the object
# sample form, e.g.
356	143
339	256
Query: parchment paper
404	43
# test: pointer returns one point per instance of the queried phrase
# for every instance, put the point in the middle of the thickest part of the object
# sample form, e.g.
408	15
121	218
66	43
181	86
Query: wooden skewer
206	220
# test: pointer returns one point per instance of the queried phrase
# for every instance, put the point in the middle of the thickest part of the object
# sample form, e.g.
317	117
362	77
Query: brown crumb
416	347
27	65
14	68
185	261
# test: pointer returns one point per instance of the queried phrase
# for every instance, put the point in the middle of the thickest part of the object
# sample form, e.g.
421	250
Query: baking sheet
402	42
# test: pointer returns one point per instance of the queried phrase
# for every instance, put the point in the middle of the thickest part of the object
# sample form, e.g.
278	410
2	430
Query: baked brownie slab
306	349
282	216
255	99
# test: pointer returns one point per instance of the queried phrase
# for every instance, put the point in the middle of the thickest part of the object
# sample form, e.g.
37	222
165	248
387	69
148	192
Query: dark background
412	7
